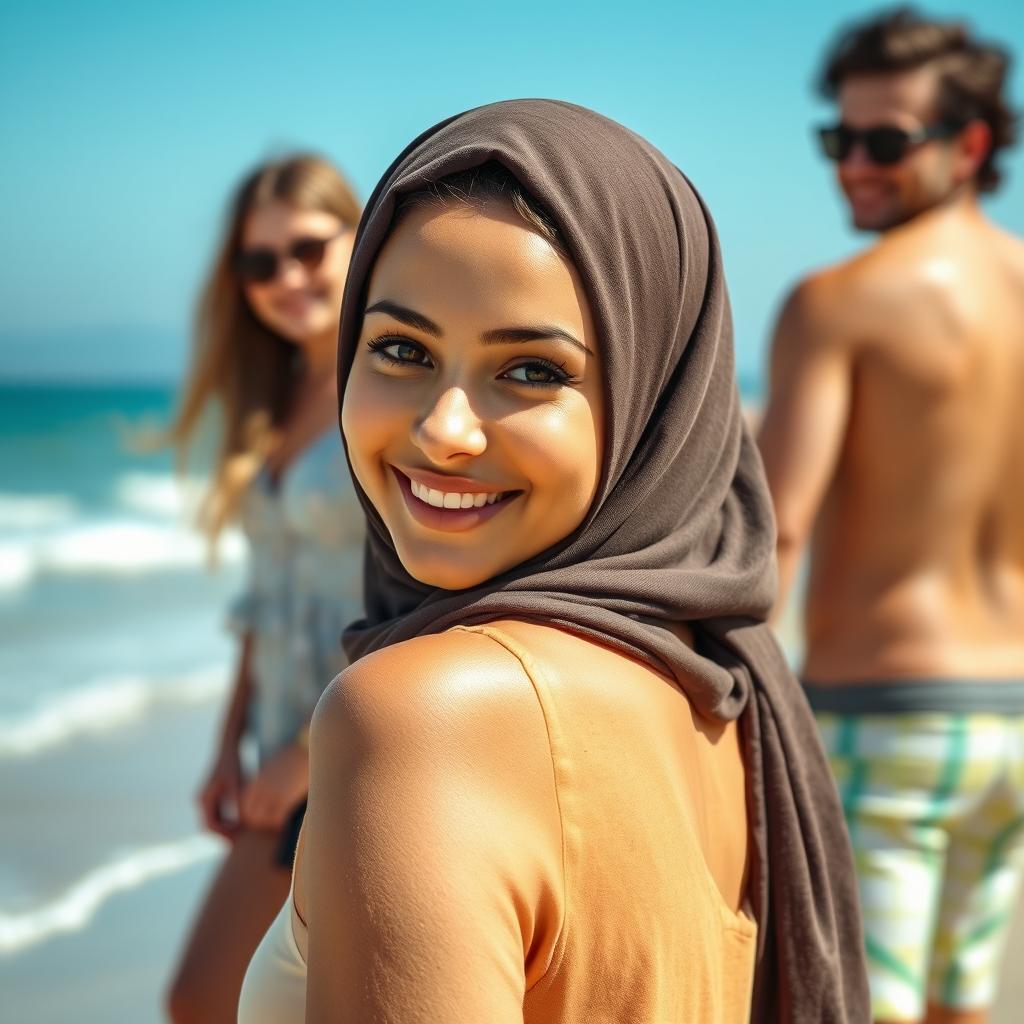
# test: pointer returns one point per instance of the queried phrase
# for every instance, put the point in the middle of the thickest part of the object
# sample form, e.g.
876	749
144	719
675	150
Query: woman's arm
223	785
233	726
430	876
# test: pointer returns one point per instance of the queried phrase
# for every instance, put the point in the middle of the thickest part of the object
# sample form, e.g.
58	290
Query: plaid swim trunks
934	804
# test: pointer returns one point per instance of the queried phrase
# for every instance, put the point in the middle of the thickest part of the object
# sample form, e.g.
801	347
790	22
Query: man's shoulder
845	302
819	307
1011	247
850	281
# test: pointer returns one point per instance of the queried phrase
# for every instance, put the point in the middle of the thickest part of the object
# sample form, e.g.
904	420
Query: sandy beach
135	796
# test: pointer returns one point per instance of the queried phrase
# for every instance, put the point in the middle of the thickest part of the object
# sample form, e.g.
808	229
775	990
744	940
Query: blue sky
125	125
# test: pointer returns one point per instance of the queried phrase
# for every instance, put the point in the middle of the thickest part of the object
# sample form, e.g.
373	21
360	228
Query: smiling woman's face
301	301
474	408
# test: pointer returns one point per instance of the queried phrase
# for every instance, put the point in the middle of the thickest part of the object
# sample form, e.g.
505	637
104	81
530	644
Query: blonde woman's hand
281	784
220	795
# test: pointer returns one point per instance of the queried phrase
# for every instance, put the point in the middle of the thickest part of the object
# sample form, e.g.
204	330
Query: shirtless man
894	444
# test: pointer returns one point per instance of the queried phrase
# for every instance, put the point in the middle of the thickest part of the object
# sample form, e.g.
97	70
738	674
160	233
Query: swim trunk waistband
918	696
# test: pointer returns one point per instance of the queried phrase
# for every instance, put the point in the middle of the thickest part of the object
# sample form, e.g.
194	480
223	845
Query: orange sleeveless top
631	925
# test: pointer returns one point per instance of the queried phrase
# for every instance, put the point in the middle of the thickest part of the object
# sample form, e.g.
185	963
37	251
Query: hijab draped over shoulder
681	528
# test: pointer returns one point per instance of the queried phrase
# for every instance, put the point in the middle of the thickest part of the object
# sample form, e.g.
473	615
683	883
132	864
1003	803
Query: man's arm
801	434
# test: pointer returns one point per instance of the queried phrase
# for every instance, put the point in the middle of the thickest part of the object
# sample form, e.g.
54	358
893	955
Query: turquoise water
72	441
105	601
113	661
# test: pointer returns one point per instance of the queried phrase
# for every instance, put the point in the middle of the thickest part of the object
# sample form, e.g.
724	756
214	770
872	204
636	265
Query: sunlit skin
892	435
927	322
300	304
882	196
478	372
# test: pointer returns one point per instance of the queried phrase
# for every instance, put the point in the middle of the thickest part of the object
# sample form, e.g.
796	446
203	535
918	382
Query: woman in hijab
568	776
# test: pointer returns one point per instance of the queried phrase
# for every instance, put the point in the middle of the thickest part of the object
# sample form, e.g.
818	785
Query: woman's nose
450	428
292	274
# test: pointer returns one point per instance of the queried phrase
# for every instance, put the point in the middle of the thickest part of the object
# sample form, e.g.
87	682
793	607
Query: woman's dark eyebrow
514	335
404	315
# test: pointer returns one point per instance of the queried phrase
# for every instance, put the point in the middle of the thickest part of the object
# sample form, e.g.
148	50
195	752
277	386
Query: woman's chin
446	577
444	572
299	330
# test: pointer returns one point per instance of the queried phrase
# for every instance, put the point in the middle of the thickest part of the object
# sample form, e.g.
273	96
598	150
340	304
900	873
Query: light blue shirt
304	587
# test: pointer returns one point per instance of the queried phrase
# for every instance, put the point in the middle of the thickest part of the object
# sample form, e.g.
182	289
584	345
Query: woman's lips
454	520
297	307
299	303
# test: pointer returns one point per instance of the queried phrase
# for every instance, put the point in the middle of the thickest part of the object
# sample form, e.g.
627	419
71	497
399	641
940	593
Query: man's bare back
897	423
893	441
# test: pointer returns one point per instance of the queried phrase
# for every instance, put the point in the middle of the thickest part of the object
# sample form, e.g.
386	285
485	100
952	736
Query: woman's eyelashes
399	351
540	373
396	350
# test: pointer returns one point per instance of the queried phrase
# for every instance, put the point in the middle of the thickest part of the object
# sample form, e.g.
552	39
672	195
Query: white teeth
451	499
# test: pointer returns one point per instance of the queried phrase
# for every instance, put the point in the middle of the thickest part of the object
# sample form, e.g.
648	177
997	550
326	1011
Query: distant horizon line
43	381
751	382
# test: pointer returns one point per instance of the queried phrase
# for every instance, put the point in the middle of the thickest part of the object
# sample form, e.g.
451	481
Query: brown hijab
681	529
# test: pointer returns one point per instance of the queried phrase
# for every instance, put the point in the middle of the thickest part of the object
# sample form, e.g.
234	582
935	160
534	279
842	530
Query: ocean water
110	623
101	573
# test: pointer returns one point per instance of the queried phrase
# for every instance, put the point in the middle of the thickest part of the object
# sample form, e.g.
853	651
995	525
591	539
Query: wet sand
65	809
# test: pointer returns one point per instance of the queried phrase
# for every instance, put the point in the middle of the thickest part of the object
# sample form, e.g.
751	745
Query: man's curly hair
971	74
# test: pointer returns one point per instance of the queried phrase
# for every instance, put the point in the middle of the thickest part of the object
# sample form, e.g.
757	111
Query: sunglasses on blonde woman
261	264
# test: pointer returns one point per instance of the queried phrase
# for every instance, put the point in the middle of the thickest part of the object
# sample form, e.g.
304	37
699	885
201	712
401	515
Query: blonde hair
238	363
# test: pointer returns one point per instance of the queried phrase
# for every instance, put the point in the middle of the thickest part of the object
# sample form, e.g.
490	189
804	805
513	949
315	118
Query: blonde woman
265	355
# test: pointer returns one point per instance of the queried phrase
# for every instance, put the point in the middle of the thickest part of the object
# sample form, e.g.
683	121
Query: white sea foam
75	908
35	511
119	547
17	567
105	705
129	547
149	529
166	495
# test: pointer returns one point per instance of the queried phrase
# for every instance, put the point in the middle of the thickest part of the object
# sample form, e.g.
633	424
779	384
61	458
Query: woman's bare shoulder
433	834
433	689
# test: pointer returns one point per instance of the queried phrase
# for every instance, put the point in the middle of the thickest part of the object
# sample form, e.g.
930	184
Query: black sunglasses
884	144
261	265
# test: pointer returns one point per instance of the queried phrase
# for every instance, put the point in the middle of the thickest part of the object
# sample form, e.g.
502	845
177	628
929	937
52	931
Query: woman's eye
407	352
538	373
400	351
